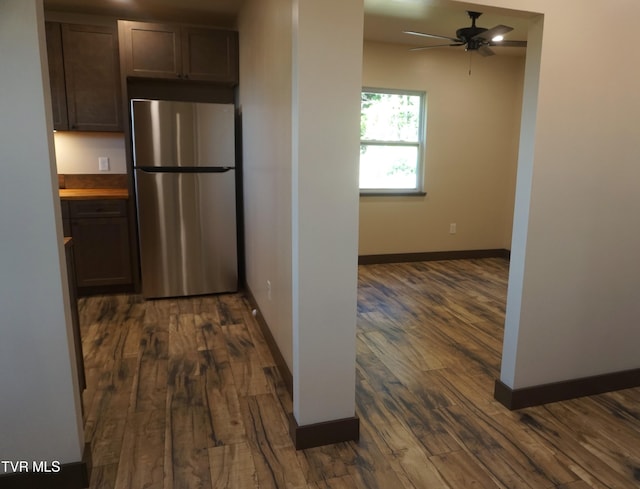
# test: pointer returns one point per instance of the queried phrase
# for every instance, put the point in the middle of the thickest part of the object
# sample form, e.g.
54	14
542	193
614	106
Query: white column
327	71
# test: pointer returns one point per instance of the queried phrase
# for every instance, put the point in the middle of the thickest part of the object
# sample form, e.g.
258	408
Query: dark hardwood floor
184	394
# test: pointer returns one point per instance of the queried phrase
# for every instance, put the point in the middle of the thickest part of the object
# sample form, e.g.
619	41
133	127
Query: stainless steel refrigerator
184	161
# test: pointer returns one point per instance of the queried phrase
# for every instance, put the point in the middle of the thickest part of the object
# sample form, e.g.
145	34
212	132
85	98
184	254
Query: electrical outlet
103	163
453	228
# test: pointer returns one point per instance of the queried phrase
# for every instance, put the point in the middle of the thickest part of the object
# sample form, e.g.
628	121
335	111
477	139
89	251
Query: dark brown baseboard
308	436
281	364
432	256
325	433
71	476
563	391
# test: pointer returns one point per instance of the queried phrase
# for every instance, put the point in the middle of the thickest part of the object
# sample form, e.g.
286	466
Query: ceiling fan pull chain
470	57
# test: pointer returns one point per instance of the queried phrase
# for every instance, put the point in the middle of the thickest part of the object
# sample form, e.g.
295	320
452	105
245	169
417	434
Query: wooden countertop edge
93	193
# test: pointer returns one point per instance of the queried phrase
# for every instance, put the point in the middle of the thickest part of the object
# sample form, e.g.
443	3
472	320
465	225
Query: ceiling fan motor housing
467	35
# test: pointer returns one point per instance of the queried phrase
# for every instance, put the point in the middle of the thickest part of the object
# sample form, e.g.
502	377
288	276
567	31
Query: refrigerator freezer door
187	227
183	134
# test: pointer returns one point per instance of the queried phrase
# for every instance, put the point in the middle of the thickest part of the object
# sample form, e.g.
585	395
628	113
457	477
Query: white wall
473	129
78	152
265	28
40	416
300	181
574	299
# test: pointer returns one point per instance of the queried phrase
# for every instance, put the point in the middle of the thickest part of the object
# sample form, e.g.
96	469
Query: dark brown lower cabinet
100	231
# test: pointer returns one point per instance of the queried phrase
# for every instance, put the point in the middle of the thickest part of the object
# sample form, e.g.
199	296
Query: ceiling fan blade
434	36
486	51
510	44
435	46
499	30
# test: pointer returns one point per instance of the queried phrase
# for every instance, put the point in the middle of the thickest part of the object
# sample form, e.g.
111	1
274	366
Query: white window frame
420	144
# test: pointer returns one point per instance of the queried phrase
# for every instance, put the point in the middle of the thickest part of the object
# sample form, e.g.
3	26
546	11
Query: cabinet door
91	70
101	248
210	55
151	50
56	76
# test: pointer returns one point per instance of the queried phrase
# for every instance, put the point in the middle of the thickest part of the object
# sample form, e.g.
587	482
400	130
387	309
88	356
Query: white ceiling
385	20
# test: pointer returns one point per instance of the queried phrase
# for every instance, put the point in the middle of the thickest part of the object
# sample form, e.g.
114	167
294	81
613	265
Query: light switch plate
103	163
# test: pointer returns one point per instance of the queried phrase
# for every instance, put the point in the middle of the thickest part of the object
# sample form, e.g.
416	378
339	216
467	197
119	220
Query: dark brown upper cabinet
56	76
172	51
85	77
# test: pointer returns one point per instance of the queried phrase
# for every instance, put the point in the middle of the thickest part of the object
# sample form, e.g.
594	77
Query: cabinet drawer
97	208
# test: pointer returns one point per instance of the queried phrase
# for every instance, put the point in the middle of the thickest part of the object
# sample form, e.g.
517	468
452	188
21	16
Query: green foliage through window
391	138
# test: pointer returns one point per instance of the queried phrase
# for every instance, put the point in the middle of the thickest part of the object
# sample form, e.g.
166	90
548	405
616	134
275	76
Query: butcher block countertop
92	187
93	193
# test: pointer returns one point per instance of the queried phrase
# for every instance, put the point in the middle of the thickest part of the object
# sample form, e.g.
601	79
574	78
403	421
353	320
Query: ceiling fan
473	38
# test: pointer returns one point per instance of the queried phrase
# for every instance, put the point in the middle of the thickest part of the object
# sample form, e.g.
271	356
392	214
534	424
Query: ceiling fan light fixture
497	38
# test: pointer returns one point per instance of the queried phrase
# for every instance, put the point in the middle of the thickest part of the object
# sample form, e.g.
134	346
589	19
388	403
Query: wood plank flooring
184	394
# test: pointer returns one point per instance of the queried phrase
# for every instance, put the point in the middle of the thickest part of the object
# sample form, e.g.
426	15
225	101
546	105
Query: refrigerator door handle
185	169
178	139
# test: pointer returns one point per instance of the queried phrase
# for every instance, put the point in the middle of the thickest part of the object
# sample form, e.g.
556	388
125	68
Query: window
391	141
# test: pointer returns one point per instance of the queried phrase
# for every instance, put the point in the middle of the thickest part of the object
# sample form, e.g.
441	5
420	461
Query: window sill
400	193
